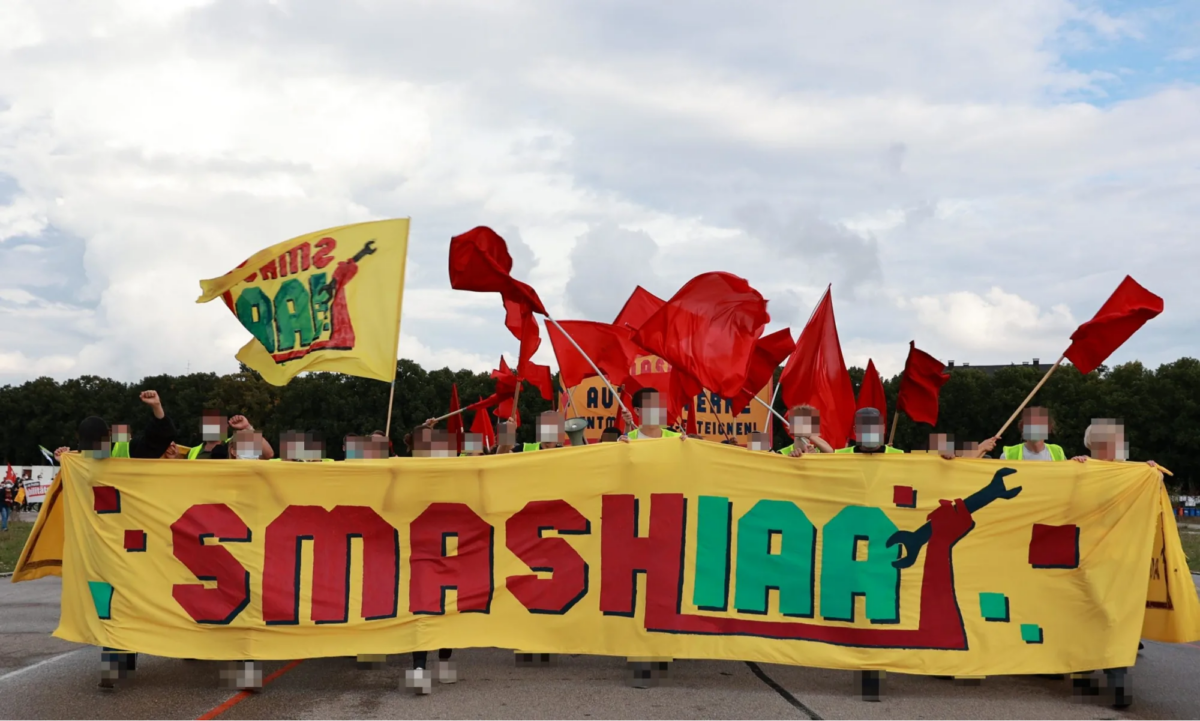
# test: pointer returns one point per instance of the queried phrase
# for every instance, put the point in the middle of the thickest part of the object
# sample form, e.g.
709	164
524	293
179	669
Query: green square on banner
1031	633
102	594
993	606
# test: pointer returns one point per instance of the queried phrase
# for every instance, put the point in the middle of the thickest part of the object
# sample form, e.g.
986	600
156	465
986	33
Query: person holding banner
868	429
649	406
806	429
1036	425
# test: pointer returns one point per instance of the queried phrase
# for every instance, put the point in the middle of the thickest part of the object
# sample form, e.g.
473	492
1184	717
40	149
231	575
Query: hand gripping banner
664	548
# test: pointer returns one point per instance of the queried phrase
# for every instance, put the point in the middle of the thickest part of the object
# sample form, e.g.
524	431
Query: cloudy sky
977	176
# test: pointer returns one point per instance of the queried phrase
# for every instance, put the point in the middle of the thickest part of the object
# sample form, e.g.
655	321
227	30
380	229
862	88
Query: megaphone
575	428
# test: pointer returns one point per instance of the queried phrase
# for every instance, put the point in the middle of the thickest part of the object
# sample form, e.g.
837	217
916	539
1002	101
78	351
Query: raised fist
950	521
239	423
150	398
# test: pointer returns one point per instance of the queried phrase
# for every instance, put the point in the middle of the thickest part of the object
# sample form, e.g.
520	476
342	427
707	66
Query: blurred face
968	449
941	442
506	434
441	445
1108	440
377	446
550	431
291	446
1036	424
120	433
869	433
246	445
653	412
473	444
213	426
314	448
805	422
758	442
356	448
423	443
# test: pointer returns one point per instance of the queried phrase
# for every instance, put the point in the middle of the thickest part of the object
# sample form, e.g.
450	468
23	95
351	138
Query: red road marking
243	695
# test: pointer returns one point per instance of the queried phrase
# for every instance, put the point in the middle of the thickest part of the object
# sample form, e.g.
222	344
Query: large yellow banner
658	548
326	301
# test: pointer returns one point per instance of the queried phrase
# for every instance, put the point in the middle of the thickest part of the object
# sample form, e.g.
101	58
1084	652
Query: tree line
1160	408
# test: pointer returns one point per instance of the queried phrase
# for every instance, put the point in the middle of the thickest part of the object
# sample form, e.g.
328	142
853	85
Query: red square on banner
106	499
1054	546
904	496
135	541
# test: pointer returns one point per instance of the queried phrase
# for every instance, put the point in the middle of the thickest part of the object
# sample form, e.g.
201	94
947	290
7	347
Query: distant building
991	370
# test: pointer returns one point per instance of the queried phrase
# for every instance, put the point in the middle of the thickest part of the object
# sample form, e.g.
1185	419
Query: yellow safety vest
1017	453
854	449
120	449
633	435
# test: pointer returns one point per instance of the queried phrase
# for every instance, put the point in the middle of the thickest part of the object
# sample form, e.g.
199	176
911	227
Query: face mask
250	453
870	440
1036	433
655	416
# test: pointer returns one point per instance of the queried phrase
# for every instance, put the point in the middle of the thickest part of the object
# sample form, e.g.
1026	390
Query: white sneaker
419	681
446	673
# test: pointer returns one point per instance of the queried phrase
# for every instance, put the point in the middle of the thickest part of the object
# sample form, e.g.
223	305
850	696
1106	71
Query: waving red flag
483	426
707	330
1126	310
920	385
454	424
769	352
637	310
871	395
816	375
610	347
479	262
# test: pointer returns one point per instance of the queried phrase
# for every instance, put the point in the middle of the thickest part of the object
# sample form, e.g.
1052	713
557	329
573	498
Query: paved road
42	677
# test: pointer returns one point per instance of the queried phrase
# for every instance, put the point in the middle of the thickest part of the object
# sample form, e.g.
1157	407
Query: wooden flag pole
592	364
1029	397
391	400
895	420
451	414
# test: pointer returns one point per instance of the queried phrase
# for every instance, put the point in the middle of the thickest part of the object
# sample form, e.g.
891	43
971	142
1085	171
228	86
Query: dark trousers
420	658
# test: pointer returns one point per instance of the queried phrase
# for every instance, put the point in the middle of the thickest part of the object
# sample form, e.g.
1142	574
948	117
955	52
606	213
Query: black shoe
1141	646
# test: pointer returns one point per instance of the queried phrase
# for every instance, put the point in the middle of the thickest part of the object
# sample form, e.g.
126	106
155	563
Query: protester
8	501
610	435
649	406
1105	438
760	441
868	429
806	433
1035	425
214	431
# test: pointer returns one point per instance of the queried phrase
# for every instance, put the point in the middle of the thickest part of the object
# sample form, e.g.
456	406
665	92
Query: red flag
637	310
1126	310
816	375
769	352
483	426
920	385
520	321
454	424
707	330
691	418
479	262
870	394
608	346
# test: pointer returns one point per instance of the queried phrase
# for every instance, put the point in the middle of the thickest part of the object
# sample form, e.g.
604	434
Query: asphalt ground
43	677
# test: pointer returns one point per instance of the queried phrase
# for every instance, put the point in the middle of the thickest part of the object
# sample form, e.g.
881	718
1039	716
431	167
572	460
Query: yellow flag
327	301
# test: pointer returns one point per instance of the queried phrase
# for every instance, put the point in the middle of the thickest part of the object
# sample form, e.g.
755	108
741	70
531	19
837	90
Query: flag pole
771	408
591	363
1029	397
895	420
391	400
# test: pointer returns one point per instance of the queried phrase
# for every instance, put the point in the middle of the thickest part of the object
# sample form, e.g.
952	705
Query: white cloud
928	151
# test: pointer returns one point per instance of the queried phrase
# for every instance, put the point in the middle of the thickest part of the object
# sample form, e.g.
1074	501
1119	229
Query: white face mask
870	440
1036	432
654	416
248	452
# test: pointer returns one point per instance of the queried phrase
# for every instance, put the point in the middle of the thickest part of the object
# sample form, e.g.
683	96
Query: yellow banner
715	420
746	556
326	301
